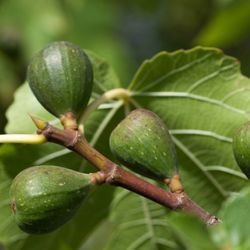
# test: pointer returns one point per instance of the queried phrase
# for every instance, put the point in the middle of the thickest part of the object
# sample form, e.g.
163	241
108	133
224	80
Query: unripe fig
142	143
241	148
61	78
45	197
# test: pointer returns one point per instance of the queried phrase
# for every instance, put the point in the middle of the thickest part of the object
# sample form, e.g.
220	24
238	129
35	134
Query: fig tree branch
114	175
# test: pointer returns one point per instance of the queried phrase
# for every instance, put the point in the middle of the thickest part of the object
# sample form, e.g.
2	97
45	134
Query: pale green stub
45	197
142	143
61	78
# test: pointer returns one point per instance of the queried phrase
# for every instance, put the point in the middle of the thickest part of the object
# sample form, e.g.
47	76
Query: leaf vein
142	239
105	122
171	73
167	243
226	170
134	223
194	97
201	133
235	92
200	165
208	77
149	223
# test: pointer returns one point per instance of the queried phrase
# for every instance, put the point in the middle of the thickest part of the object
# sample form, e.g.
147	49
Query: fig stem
23	138
118	93
112	174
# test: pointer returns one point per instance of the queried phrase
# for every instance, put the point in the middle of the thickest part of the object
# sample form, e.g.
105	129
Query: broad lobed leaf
234	232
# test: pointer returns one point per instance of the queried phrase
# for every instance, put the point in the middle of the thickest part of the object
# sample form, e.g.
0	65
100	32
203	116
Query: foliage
200	94
202	97
218	31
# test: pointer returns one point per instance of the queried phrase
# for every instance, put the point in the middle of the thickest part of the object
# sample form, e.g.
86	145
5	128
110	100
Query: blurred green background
123	32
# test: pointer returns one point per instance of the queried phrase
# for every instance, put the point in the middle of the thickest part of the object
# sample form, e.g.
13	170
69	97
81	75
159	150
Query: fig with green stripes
241	148
142	143
61	78
43	198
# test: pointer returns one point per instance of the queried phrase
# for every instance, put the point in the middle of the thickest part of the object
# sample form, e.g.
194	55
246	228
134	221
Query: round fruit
241	148
45	197
61	78
142	143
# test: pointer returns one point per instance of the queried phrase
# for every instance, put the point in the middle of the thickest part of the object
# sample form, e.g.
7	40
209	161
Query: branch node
98	178
71	143
180	197
68	120
113	175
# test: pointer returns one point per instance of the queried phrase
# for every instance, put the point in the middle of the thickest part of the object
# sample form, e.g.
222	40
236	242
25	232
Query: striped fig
61	78
142	143
45	197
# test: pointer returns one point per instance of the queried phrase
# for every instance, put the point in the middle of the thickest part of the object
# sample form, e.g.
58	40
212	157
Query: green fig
45	197
241	148
142	143
61	78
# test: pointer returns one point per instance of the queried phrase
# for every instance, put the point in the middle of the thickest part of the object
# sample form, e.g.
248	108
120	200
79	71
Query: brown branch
117	176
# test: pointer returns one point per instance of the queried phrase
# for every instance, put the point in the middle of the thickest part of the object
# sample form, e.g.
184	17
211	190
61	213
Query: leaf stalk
119	93
23	138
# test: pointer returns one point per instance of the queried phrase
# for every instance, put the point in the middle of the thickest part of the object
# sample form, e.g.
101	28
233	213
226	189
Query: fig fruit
61	78
45	197
241	148
142	143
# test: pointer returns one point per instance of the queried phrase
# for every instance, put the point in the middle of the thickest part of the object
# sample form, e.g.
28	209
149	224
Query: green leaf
102	233
234	231
191	232
219	32
202	97
24	103
9	232
17	157
139	224
104	76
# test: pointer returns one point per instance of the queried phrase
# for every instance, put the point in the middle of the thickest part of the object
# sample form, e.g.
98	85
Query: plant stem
23	138
118	93
117	176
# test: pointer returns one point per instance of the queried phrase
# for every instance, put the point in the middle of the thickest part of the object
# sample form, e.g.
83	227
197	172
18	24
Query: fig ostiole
43	198
142	143
241	148
61	78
